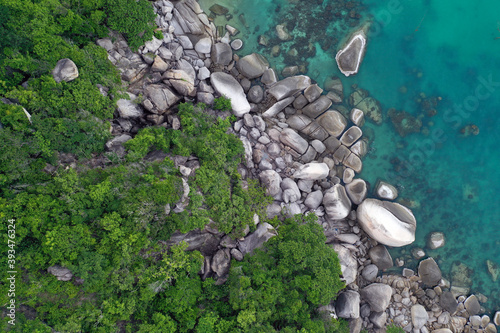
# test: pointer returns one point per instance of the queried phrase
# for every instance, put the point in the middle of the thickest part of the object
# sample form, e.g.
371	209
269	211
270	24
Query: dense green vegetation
109	224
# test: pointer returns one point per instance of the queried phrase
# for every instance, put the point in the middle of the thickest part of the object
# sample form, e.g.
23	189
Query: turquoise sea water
445	49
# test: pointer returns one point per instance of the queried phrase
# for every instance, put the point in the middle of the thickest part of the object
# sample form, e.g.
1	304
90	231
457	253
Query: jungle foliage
109	224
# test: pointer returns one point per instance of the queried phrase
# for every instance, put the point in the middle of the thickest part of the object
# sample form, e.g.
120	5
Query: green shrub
393	328
222	103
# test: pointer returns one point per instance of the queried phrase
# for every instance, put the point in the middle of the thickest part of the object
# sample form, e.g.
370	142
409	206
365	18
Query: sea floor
440	62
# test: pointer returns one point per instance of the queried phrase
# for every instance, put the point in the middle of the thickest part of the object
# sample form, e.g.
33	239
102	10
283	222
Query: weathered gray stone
65	70
385	190
348	265
317	107
472	305
350	56
252	66
236	254
387	222
271	181
337	204
291	192
204	45
419	316
161	96
312	93
277	107
435	240
222	54
221	262
378	319
255	94
354	162
429	272
61	273
496	318
359	148
289	86
378	295
226	85
159	65
312	171
292	139
128	109
269	77
333	122
357	190
370	272
357	117
347	304
314	199
381	257
257	238
351	135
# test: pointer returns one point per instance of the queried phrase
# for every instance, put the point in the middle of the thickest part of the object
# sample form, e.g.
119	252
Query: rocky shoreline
306	147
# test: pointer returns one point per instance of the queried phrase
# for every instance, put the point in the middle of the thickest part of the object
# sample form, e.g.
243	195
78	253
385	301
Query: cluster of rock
306	149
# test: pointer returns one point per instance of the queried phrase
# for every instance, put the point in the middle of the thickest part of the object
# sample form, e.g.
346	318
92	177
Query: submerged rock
349	58
388	223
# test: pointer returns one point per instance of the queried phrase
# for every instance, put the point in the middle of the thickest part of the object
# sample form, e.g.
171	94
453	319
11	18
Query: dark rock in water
349	58
404	122
218	9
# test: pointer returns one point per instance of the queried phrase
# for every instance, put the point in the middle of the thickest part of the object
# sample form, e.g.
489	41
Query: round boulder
388	223
369	273
252	66
419	316
378	295
435	240
271	181
347	304
385	190
65	70
380	257
336	202
312	171
356	190
429	272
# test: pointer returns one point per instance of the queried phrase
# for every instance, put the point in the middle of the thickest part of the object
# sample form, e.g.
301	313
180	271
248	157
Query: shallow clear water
447	49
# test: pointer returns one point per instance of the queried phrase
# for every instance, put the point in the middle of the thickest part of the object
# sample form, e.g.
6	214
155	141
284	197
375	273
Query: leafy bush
393	328
222	103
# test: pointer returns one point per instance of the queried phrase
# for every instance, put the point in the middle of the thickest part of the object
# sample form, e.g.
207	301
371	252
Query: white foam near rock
387	222
350	57
226	85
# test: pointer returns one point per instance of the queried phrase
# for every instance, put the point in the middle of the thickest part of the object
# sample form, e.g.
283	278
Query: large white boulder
312	171
387	222
226	85
337	204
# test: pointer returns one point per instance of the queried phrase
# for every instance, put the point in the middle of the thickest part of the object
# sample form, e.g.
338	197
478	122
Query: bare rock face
350	57
221	262
62	273
65	70
257	238
289	86
388	223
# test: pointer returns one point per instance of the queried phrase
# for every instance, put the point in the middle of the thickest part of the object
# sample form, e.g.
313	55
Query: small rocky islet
305	145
